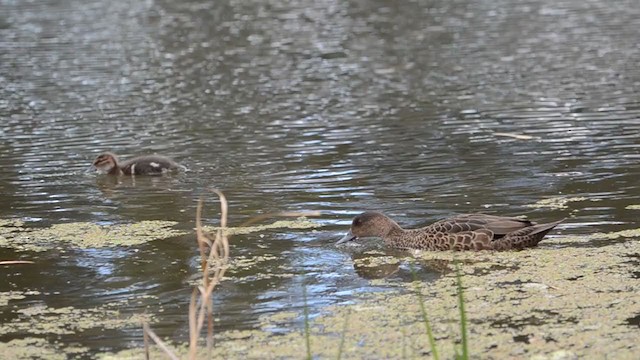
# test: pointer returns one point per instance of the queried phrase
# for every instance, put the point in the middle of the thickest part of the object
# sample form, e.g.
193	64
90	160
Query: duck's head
105	162
369	224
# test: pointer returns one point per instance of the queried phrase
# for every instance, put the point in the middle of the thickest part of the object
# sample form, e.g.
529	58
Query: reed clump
214	261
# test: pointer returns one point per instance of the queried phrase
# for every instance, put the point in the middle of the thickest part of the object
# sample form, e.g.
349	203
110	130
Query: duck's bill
91	169
348	237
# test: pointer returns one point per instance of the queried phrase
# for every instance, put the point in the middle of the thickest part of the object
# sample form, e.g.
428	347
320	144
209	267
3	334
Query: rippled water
304	105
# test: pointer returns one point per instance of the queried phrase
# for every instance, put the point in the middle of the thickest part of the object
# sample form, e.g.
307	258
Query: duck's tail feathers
525	238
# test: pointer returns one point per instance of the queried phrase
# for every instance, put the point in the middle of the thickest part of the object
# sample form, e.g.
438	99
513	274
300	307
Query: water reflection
333	106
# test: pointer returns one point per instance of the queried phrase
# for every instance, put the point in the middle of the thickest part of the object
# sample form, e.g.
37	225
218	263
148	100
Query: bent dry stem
214	258
216	263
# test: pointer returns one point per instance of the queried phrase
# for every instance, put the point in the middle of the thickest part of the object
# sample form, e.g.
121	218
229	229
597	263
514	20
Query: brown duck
108	163
462	232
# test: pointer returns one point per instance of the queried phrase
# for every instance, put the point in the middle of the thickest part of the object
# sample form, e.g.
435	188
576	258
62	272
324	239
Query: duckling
108	163
462	232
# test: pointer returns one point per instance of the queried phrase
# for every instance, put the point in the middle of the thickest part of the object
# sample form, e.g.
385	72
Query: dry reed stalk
14	262
215	262
149	333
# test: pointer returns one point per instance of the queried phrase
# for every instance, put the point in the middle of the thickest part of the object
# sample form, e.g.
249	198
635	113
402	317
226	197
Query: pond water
330	106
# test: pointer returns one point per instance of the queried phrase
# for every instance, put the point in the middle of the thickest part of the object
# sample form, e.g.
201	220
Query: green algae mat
16	235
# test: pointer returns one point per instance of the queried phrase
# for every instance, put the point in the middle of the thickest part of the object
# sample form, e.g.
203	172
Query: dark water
303	105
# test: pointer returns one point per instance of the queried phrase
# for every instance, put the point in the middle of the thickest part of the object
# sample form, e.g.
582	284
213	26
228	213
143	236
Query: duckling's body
462	232
142	165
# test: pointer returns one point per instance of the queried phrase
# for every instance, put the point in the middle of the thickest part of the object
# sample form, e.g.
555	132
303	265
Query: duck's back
148	165
499	226
477	232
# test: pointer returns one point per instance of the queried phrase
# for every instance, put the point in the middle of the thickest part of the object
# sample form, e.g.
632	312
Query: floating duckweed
283	317
10	228
628	233
245	262
40	320
88	235
299	223
559	202
10	225
36	348
5	297
85	235
373	261
258	277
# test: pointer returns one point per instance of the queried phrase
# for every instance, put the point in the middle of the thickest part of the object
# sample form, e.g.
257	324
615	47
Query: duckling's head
369	224
105	162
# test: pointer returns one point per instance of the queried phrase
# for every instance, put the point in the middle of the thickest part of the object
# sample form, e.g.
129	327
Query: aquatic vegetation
7	296
37	348
85	235
299	223
14	234
628	233
559	202
551	305
40	319
373	261
552	302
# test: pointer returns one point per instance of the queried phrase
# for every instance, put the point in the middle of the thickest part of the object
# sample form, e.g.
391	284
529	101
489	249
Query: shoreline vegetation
544	303
572	297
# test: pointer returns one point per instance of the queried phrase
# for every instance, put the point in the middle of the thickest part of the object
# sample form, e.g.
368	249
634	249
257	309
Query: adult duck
108	163
462	232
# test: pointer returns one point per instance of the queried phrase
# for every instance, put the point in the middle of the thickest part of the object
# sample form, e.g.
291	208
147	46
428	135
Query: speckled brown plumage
142	165
462	232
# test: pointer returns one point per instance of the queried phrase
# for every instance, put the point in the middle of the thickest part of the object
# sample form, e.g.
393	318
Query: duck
459	233
108	163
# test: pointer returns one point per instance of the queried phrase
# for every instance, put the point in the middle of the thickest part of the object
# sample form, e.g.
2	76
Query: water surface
327	106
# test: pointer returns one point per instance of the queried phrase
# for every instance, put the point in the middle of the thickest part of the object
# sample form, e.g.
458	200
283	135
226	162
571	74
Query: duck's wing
498	225
148	165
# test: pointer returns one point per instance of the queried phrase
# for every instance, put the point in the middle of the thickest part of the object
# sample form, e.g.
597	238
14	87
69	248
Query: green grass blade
463	316
425	319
